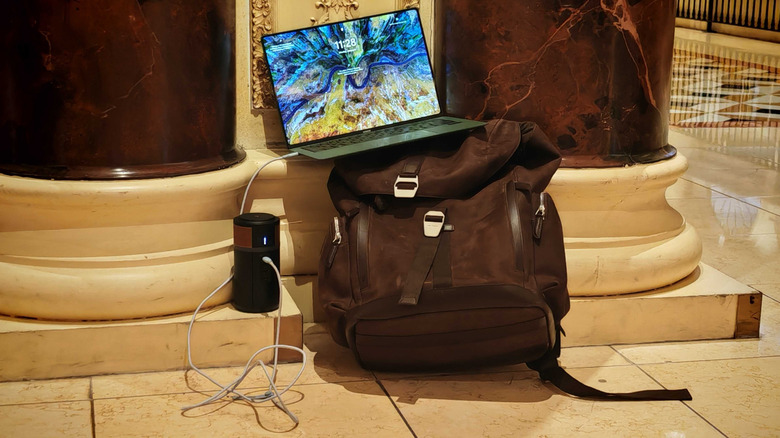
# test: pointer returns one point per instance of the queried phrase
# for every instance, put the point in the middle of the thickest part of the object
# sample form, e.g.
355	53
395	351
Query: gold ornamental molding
335	10
263	23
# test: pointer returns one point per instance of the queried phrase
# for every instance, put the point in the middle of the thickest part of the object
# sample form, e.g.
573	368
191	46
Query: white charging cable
273	393
254	175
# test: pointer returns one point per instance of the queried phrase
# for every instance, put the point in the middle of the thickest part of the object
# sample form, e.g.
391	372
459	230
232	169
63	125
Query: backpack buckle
433	223
406	186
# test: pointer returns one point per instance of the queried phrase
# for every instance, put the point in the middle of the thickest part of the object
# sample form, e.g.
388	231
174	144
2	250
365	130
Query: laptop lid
341	78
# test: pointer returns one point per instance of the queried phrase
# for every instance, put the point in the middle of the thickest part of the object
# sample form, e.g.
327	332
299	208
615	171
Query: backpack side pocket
519	213
550	255
334	285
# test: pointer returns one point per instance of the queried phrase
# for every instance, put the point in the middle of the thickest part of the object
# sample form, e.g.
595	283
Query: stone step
221	336
705	305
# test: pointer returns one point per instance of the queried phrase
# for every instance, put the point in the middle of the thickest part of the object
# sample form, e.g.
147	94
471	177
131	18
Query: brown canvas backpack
448	257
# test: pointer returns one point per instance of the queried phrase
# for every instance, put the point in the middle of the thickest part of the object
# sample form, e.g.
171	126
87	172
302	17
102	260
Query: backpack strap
442	270
549	370
408	181
362	245
422	262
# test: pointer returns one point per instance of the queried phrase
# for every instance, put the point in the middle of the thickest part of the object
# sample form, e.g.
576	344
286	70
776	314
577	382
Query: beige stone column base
621	234
110	250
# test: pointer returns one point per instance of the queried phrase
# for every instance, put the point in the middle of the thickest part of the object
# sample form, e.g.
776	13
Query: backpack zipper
334	246
336	231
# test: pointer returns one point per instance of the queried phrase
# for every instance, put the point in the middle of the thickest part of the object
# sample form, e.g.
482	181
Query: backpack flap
445	172
537	159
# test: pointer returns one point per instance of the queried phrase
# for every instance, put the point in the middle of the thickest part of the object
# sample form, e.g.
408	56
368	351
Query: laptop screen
347	77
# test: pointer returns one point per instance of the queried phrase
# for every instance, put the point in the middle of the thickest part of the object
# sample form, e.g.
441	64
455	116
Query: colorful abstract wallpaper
345	77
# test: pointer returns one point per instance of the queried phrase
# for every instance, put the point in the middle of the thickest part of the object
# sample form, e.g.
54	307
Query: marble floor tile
326	362
747	259
684	189
724	216
705	164
740	397
711	42
43	420
768	344
587	357
44	391
706	119
741	81
324	410
756	153
770	204
727	140
747	183
770	290
739	183
330	362
519	405
160	383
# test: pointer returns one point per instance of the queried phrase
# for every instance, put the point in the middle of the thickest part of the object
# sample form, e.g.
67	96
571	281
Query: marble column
119	171
120	89
595	75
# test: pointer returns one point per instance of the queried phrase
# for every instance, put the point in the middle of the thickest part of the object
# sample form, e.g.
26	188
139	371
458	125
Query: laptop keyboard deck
385	132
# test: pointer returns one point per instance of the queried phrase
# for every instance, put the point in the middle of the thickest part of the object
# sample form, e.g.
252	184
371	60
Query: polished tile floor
731	194
718	86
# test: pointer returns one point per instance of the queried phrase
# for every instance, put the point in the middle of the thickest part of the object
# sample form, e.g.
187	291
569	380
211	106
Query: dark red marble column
97	89
595	75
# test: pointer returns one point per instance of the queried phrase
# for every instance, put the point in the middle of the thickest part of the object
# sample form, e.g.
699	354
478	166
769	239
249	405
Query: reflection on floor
724	86
731	194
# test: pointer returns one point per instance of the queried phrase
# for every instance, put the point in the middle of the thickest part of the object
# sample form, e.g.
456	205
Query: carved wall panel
269	16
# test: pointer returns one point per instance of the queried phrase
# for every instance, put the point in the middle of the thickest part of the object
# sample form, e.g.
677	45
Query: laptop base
369	140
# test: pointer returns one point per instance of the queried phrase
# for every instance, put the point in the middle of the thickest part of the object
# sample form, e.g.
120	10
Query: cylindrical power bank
255	286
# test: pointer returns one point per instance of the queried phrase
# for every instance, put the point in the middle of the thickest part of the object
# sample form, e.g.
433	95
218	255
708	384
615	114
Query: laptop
356	85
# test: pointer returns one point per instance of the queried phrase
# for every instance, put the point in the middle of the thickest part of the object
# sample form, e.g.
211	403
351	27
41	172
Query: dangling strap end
680	394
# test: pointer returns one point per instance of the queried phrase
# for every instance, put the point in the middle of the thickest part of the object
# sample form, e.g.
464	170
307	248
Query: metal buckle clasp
406	186
433	223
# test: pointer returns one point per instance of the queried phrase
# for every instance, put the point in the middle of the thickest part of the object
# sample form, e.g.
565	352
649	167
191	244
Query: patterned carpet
727	89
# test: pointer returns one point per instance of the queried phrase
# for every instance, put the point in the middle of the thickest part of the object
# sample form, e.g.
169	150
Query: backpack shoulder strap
549	370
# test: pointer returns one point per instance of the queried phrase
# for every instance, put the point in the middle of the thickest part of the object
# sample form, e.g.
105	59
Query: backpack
447	257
